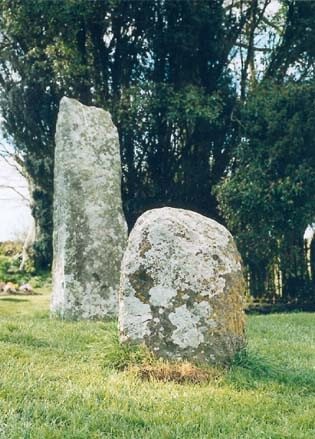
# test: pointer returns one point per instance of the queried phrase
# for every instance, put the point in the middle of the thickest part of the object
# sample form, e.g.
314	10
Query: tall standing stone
181	291
90	231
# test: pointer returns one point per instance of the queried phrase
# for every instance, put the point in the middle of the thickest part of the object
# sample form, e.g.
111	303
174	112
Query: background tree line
235	144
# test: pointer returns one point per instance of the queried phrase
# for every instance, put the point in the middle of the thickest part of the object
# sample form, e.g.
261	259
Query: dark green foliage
296	50
269	197
161	70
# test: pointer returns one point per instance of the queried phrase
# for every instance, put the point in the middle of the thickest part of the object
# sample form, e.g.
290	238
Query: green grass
63	379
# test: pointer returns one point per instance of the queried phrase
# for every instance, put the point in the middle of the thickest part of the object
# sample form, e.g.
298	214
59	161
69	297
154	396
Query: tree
295	54
268	199
160	67
278	52
51	49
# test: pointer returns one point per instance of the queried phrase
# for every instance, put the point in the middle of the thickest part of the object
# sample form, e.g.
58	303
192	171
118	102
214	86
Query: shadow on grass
25	340
13	299
250	369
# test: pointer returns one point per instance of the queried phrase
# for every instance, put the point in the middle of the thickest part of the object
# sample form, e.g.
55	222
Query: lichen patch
186	270
90	232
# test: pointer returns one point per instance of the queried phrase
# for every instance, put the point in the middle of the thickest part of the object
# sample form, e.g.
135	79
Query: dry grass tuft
179	373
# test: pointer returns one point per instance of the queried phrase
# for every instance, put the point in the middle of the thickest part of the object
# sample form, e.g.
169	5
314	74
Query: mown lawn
58	380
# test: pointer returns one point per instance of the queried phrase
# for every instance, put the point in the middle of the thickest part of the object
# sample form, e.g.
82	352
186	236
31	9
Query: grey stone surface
90	231
181	289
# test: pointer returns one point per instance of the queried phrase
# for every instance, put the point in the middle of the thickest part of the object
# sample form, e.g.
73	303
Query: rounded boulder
182	288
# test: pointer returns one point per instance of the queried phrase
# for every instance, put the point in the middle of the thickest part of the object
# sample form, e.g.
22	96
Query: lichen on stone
90	231
186	270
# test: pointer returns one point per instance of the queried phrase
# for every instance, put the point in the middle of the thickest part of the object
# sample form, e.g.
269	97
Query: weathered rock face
181	290
90	232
